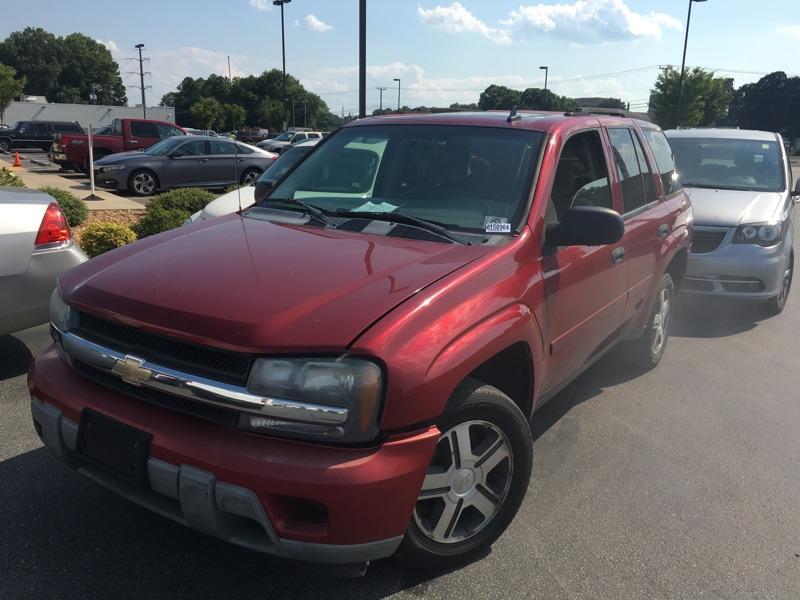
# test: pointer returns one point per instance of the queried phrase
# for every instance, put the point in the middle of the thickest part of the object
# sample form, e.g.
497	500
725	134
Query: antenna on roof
513	116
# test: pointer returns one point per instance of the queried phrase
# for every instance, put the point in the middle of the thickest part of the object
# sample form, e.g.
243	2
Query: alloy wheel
249	177
144	183
661	321
466	484
787	281
5	147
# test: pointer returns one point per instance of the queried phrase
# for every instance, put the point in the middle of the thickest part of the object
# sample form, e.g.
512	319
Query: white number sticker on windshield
383	207
497	225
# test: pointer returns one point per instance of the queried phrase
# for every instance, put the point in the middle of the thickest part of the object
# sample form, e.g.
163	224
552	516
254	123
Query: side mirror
586	226
796	192
263	188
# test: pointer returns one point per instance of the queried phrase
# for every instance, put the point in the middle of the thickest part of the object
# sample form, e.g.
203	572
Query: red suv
348	369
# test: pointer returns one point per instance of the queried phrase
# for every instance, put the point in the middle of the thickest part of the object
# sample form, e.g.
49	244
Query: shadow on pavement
66	537
15	357
700	317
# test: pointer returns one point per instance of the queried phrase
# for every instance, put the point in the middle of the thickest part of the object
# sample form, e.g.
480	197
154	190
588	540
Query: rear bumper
25	295
250	490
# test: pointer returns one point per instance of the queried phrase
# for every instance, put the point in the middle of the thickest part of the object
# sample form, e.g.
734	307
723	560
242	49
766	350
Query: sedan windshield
284	137
731	164
467	178
164	146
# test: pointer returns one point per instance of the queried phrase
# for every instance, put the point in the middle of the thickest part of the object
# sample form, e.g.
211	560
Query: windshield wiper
433	226
310	209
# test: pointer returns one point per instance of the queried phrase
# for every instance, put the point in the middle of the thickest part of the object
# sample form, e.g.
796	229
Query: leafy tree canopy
10	87
705	100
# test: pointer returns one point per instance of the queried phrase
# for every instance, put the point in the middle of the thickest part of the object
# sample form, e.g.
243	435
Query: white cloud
315	24
110	44
792	31
457	19
262	5
586	21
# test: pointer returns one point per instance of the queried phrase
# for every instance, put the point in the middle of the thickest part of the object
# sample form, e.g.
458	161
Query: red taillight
54	228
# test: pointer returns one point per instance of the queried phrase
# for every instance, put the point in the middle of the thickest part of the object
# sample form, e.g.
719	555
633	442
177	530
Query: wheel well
511	372
677	268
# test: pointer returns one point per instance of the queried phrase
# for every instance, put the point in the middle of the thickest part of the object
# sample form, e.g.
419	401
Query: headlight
61	315
110	168
763	234
328	399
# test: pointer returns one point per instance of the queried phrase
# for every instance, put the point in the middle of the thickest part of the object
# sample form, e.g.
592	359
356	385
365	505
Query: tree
498	97
771	104
10	87
540	99
704	102
600	102
74	68
233	116
207	113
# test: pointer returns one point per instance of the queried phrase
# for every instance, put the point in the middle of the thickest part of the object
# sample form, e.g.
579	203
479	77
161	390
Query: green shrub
157	219
186	199
8	178
97	238
74	208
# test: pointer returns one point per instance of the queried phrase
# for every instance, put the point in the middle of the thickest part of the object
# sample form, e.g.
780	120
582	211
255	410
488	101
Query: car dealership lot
681	482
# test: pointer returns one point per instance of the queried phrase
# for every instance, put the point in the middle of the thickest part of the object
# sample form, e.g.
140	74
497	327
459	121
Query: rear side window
42	129
67	128
222	147
666	164
628	169
144	130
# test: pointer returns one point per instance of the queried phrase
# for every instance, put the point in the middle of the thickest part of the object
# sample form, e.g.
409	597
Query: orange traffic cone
17	161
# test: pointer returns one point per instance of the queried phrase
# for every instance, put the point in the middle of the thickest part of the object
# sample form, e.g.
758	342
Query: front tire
143	182
476	481
776	305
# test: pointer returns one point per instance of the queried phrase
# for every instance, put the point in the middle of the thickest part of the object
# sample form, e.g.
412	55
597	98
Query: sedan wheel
249	177
143	183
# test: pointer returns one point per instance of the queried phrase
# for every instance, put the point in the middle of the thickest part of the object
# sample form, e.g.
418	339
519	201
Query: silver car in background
740	184
36	245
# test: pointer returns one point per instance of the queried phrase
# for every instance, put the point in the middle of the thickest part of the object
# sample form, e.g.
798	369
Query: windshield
284	137
284	162
467	178
164	146
732	164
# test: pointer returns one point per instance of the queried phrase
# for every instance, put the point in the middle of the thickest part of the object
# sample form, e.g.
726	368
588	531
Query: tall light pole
283	51
139	47
362	59
546	69
683	64
381	90
398	93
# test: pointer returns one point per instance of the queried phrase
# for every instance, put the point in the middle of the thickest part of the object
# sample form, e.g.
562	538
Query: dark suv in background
35	134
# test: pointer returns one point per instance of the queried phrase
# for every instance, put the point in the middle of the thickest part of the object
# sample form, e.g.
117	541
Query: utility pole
362	58
546	71
142	73
283	50
230	77
683	64
294	118
305	110
381	90
398	93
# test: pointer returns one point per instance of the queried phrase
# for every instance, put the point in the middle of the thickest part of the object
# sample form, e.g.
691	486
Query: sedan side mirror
586	226
796	192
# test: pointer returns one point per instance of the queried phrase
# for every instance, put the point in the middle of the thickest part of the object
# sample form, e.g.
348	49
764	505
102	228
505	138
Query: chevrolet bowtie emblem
131	371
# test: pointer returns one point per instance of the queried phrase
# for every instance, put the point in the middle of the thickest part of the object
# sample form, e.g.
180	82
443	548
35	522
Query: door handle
663	229
618	255
133	141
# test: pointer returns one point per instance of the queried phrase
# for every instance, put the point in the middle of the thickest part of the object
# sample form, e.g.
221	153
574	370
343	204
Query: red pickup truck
348	369
71	151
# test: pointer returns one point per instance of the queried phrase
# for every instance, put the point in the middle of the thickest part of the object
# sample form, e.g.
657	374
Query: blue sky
443	51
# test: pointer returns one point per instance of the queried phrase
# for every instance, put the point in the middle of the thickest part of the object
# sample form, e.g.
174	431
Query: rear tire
142	183
776	305
249	176
476	482
647	351
5	146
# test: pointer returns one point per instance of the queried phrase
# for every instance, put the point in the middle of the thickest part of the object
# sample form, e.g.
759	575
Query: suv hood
259	286
730	208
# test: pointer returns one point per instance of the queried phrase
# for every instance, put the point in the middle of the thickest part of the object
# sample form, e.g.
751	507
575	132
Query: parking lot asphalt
683	482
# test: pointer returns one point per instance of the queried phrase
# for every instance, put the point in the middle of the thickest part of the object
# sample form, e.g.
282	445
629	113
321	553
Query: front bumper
250	490
111	181
742	271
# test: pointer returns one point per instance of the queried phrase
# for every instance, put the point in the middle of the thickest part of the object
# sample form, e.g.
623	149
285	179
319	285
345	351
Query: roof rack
611	112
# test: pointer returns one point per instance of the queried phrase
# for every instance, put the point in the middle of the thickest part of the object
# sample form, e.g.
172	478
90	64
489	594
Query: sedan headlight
111	168
763	234
321	398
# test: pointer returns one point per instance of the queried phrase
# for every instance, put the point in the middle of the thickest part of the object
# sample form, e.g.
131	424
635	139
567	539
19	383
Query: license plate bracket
114	447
